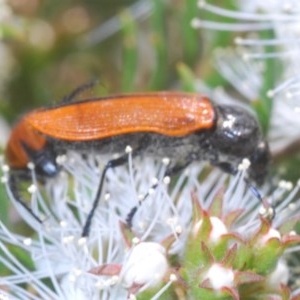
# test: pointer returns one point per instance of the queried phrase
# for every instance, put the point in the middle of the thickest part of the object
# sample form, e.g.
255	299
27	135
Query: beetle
185	127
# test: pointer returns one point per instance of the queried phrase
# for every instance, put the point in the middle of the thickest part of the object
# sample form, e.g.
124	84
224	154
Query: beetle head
44	160
237	136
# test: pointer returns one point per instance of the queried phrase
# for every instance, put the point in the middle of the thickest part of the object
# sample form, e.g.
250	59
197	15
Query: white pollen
154	180
128	149
107	196
173	277
68	239
30	165
166	161
32	189
27	241
63	224
167	180
244	165
82	241
270	94
178	229
60	159
151	191
4	179
135	240
5	168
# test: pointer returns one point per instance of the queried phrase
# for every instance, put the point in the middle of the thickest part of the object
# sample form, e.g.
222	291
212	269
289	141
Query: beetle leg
12	183
111	164
226	167
169	172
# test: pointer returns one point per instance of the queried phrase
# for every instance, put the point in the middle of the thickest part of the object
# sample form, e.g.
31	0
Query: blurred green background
58	45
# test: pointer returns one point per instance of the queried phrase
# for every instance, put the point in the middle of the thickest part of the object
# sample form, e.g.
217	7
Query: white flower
60	254
145	265
218	229
280	275
219	277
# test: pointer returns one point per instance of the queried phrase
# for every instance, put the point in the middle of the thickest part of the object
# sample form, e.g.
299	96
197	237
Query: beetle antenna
254	190
86	86
269	208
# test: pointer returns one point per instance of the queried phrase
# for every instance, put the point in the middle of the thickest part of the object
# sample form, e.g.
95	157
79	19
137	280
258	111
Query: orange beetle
183	126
